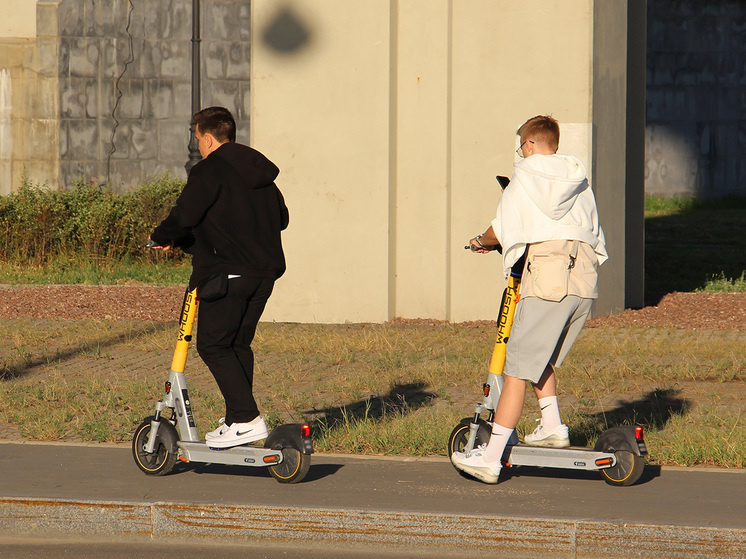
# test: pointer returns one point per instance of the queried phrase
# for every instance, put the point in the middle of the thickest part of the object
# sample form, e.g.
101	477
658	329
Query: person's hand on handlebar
152	244
486	242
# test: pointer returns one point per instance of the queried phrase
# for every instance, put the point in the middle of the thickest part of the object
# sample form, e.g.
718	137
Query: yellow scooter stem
186	324
504	324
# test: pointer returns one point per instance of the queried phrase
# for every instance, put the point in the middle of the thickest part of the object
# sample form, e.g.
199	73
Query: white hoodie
548	199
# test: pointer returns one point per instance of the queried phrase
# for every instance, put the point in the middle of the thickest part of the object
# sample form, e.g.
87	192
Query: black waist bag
213	287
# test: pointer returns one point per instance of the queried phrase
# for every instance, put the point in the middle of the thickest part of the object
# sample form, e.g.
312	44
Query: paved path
97	491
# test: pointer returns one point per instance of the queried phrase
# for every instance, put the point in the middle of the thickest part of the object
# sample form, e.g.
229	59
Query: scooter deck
243	455
573	458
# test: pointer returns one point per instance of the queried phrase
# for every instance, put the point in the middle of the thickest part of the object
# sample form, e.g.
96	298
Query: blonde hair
542	129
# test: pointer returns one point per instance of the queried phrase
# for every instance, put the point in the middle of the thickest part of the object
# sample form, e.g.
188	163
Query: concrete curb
22	517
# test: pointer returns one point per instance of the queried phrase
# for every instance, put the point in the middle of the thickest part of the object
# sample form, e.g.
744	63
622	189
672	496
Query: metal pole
194	155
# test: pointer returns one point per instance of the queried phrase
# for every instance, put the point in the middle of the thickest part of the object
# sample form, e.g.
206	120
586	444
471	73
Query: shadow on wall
693	158
286	33
690	249
695	110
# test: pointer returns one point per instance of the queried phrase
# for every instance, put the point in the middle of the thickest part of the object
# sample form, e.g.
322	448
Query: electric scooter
619	453
156	445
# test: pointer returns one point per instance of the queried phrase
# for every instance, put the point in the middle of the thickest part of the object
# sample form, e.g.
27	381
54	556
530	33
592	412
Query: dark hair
541	128
217	121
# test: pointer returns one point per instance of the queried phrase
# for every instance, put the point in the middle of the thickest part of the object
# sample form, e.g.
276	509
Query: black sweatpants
225	330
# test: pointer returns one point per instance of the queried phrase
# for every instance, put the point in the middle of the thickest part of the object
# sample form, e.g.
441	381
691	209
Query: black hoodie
232	212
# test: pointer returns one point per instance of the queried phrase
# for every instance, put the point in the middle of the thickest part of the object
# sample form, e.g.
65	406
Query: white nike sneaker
559	437
236	434
474	464
216	432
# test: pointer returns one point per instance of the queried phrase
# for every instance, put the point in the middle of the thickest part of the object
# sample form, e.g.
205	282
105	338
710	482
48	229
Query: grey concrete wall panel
135	80
226	93
173	136
695	98
71	21
229	21
158	99
47	20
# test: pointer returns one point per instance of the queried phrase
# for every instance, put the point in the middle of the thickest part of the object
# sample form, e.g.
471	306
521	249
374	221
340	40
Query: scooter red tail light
305	430
638	432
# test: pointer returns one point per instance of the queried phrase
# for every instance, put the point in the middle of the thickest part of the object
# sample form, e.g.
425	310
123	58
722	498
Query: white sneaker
474	464
559	437
216	432
236	434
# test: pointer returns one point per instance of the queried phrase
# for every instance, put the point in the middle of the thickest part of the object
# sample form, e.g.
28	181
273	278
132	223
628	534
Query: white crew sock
550	415
497	443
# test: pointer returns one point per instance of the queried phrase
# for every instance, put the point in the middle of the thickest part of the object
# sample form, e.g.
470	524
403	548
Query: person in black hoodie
229	216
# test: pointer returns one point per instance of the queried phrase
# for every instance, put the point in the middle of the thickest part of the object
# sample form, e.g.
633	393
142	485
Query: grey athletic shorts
543	333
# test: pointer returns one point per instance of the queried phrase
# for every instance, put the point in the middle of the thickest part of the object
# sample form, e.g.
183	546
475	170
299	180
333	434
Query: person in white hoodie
547	213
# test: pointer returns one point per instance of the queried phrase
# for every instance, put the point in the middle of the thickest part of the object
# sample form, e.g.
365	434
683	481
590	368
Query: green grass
695	245
398	389
64	271
381	389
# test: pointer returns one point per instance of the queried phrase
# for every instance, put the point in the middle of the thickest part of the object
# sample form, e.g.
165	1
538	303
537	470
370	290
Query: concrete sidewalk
96	491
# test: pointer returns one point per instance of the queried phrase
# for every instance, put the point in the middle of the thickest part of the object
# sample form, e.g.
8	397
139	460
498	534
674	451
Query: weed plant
83	233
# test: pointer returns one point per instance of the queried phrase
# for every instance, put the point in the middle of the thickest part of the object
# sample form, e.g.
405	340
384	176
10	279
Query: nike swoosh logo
545	407
238	433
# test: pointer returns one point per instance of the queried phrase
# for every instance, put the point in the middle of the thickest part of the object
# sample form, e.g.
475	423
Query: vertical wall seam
634	199
449	168
393	156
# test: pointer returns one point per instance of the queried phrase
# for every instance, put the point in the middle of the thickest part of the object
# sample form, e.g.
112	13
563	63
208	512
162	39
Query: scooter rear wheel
162	460
627	470
293	468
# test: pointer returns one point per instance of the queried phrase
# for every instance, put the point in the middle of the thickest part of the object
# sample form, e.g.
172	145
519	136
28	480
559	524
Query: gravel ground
701	311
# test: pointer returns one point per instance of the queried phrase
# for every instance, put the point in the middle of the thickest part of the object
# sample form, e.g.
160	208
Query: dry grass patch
380	389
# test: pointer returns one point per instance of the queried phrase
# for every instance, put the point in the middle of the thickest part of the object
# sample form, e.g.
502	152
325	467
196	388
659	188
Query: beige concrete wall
18	19
322	113
511	61
389	121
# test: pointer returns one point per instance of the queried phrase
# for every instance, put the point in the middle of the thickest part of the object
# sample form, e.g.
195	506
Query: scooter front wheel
162	460
293	468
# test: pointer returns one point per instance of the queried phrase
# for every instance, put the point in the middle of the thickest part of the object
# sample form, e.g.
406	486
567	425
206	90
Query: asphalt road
97	491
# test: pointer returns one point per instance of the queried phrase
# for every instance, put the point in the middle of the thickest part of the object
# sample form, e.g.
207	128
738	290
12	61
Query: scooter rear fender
289	435
621	438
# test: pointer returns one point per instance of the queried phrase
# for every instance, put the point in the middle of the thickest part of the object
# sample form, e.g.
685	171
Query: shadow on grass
401	399
91	348
654	410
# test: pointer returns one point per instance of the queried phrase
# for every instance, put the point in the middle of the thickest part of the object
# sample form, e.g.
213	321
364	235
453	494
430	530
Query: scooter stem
504	324
186	324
